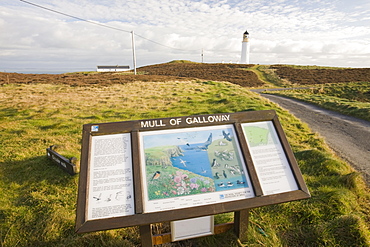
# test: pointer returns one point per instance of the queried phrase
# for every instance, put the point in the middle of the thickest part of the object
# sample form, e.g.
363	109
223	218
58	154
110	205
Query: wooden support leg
146	235
241	221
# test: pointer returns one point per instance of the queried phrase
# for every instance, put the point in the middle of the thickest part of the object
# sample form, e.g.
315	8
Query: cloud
283	31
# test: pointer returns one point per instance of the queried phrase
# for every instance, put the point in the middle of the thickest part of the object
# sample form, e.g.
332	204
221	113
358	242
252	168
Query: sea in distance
44	71
196	160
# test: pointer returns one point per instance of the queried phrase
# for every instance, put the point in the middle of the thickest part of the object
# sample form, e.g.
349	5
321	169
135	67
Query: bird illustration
206	144
216	176
226	136
224	173
235	169
118	194
221	185
183	162
220	143
109	198
214	163
230	184
156	175
187	143
97	198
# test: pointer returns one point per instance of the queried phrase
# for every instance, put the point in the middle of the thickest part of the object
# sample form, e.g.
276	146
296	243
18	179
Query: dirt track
347	136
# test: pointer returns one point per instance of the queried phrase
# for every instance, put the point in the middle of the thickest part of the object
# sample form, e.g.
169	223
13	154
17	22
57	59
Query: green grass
268	75
38	199
351	99
181	61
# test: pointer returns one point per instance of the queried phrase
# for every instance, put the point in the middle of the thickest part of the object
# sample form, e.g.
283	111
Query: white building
114	68
245	48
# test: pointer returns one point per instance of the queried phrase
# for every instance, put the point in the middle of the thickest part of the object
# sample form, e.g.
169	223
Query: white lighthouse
245	48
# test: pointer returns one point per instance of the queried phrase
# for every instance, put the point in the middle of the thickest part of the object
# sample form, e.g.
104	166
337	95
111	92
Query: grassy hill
38	200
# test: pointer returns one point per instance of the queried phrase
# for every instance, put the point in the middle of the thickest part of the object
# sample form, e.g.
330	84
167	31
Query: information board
169	169
111	188
269	159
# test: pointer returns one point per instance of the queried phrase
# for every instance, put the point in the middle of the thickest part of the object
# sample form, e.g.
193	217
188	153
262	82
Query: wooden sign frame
68	165
131	134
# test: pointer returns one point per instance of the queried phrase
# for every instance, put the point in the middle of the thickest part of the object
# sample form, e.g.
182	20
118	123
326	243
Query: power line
75	17
102	25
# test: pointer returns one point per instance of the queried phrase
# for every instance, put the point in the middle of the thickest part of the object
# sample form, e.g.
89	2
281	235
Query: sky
90	33
183	136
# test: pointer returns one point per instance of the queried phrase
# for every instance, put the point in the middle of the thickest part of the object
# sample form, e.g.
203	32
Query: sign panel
192	228
170	169
111	192
192	167
269	158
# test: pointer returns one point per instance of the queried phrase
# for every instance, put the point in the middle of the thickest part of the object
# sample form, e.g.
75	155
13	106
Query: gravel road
349	137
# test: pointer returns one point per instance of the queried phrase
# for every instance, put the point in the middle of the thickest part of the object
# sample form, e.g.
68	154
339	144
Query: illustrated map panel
195	166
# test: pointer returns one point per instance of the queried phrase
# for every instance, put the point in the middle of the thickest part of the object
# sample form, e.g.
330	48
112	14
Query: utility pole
202	55
133	50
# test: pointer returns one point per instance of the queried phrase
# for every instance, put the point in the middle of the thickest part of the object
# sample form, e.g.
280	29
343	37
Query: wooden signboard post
137	173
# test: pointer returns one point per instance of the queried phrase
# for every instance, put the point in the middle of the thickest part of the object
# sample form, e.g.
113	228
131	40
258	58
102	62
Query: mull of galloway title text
187	120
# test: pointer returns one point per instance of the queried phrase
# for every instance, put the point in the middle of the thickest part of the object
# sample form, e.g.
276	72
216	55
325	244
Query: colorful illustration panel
193	166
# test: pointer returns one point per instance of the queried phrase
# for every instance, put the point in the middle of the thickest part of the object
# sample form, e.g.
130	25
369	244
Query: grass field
38	200
351	99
